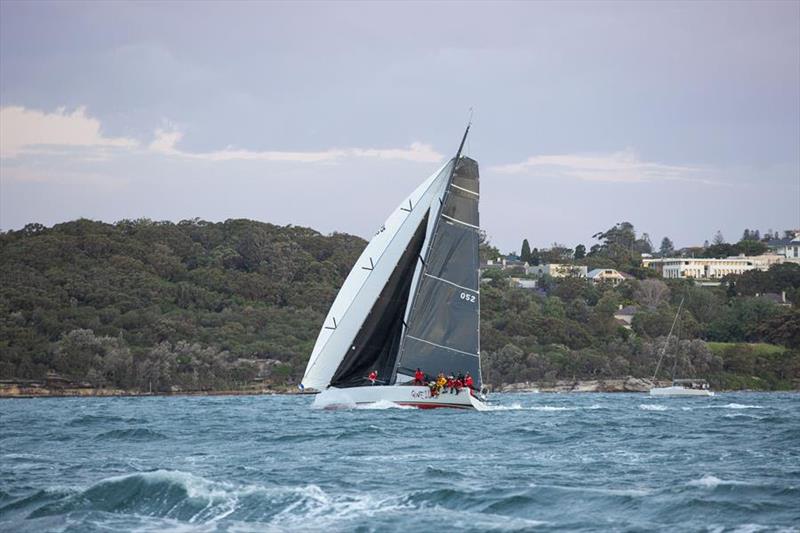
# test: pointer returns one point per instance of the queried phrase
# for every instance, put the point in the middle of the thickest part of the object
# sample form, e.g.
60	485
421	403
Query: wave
710	482
99	420
187	498
737	406
519	407
161	493
38	498
294	437
652	407
138	434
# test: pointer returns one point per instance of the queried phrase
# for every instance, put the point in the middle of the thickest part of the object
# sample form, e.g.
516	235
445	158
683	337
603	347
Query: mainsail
412	298
443	333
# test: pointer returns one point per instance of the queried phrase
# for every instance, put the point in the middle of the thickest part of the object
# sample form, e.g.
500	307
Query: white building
788	248
504	263
558	270
709	268
609	275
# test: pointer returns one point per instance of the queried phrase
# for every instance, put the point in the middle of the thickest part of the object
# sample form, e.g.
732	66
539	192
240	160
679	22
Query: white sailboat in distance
679	387
411	303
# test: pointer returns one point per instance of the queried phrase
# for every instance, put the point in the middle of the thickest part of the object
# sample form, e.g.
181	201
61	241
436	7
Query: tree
651	293
746	235
580	251
643	244
485	248
525	253
667	248
718	238
556	254
752	247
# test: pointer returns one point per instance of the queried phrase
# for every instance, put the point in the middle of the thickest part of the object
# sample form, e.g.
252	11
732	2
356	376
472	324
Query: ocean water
537	462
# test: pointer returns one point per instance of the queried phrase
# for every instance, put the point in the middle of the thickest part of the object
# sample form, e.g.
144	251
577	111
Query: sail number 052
467	297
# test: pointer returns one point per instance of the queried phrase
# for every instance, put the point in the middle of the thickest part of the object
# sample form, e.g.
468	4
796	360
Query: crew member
468	381
419	377
373	376
441	381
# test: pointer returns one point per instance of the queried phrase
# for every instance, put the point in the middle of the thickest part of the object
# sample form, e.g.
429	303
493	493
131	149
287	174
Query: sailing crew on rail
468	382
373	376
419	377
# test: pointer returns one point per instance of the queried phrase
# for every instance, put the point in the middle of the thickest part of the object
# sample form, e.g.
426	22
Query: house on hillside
608	275
788	248
558	270
624	316
505	263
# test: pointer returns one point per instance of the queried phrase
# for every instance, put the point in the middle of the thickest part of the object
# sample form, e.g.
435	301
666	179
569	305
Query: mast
463	140
666	342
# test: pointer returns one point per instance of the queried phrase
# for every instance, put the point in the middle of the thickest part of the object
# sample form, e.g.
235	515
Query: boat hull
679	391
403	395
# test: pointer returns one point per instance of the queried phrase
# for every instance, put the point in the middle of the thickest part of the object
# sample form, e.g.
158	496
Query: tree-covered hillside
175	299
200	305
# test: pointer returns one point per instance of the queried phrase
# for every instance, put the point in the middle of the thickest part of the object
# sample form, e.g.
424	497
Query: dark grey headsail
443	324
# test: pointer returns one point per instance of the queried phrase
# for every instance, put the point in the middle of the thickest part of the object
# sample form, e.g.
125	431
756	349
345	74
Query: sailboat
679	387
410	304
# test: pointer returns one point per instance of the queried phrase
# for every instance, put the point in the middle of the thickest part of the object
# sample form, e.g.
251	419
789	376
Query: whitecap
518	407
739	406
652	407
709	481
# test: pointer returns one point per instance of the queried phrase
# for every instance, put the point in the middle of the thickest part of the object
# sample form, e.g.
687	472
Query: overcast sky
682	118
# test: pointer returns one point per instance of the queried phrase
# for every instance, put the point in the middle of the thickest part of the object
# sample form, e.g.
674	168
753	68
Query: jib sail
364	323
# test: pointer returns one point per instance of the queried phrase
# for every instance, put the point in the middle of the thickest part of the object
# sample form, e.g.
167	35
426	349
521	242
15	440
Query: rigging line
677	351
451	283
442	346
664	349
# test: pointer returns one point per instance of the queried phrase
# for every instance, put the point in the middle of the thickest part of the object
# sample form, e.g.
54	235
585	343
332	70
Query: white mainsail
369	276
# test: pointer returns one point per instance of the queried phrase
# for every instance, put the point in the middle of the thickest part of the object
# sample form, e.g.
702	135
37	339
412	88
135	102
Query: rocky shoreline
626	384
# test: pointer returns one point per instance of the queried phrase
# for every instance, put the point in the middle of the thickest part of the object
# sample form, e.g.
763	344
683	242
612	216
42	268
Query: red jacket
468	381
419	376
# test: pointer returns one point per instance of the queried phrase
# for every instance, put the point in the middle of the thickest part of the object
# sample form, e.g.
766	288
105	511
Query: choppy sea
537	462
